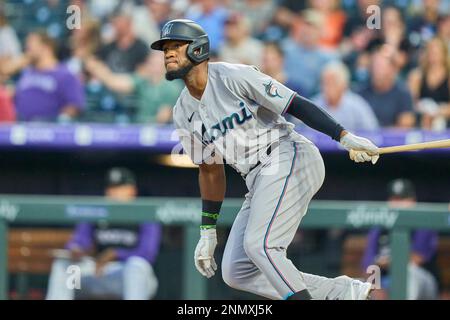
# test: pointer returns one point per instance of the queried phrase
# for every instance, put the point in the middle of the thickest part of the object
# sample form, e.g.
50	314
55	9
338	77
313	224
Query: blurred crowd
369	63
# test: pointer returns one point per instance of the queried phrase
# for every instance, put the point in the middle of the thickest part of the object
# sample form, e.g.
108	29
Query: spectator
46	91
287	12
211	16
430	85
273	63
389	98
392	27
238	42
258	12
359	19
154	95
444	30
355	54
423	26
102	9
126	52
334	22
393	32
85	10
150	17
7	112
357	37
304	59
84	42
421	273
9	42
348	108
11	57
123	55
115	261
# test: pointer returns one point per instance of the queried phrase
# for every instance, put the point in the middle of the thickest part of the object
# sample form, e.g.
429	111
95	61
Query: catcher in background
235	113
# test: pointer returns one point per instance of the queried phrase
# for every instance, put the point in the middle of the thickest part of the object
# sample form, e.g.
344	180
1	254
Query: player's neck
196	80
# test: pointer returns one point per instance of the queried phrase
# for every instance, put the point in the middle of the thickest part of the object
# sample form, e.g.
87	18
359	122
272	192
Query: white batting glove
204	253
363	149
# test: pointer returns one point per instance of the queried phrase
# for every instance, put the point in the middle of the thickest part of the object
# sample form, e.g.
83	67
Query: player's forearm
315	117
212	189
212	182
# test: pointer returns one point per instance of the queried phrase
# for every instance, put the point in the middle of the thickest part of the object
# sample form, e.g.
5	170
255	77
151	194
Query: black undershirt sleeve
314	117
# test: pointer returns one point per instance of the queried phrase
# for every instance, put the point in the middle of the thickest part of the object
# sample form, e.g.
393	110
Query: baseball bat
412	147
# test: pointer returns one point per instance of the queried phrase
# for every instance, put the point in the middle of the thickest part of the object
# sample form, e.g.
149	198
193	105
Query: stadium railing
57	210
163	138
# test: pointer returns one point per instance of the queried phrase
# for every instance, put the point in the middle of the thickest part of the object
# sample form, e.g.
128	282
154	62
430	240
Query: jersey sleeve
263	89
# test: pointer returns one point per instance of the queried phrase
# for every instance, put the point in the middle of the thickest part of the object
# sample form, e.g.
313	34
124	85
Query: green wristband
210	213
207	226
214	216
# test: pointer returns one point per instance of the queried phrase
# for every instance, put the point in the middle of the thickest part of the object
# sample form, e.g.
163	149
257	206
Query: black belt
268	152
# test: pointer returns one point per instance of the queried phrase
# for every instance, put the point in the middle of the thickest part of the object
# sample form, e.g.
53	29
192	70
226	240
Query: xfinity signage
369	216
174	211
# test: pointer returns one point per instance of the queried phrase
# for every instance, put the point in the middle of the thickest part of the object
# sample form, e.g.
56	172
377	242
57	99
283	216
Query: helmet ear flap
198	50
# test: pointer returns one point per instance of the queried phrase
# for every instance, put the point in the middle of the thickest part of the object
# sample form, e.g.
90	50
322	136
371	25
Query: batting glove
204	253
363	149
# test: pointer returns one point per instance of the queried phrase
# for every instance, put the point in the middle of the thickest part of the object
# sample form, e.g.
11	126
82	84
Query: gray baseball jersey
240	115
239	112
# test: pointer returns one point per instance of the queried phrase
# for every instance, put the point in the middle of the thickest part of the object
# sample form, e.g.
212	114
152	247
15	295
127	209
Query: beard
180	73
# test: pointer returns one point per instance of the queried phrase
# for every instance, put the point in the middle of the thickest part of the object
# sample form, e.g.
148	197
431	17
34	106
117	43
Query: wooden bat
412	147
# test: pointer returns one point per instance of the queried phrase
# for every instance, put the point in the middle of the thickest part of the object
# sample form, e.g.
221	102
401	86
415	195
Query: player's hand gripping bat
411	147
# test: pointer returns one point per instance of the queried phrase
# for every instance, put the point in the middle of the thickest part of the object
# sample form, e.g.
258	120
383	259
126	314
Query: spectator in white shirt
9	43
347	107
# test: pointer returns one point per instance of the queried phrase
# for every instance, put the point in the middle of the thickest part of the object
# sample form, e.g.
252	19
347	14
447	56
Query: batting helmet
186	30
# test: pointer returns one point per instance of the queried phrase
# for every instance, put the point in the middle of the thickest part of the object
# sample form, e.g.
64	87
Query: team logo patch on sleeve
272	90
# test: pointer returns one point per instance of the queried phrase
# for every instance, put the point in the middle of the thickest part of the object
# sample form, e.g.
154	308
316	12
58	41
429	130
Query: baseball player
235	113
